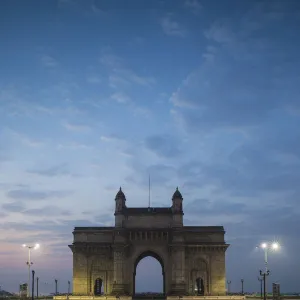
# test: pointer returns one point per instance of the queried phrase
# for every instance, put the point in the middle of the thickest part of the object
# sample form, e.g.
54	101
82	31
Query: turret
177	209
119	208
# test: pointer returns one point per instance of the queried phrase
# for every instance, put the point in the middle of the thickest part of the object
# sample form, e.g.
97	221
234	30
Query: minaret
177	209
119	208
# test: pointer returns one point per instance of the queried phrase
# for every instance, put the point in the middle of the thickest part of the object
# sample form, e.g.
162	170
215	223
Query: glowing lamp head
36	246
264	245
275	246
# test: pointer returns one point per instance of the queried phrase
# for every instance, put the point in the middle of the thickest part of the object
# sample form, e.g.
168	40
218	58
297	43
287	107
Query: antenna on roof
149	193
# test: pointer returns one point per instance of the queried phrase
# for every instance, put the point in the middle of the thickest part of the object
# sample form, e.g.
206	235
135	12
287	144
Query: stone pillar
80	272
178	286
119	287
217	271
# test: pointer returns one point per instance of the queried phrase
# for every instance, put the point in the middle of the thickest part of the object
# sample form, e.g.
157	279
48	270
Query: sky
203	95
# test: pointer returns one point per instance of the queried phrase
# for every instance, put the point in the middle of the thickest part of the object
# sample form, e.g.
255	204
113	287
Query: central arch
139	258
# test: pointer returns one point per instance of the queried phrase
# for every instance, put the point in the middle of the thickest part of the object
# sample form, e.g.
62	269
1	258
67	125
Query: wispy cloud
57	170
24	139
194	5
93	79
76	127
120	75
135	78
15	206
111	138
163	145
28	194
120	98
49	210
111	60
171	27
48	61
74	146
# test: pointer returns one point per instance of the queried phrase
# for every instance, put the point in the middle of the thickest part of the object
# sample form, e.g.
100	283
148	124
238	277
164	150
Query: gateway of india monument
192	257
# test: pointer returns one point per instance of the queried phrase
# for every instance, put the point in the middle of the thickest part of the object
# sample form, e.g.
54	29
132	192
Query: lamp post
242	281
264	275
37	287
55	286
69	287
260	279
29	263
32	292
228	283
266	248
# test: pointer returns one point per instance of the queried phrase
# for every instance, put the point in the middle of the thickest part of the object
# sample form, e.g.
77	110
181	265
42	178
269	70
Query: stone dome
177	195
120	195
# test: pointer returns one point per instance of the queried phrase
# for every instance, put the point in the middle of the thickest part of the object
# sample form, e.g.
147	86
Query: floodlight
264	245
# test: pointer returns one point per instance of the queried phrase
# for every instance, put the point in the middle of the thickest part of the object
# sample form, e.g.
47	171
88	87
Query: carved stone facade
192	257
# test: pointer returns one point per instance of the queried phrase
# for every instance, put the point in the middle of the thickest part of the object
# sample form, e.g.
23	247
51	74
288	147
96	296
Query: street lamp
29	263
261	282
242	281
56	287
264	276
267	247
228	284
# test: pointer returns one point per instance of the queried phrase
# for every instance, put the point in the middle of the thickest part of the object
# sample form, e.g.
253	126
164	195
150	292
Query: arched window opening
199	286
98	287
149	277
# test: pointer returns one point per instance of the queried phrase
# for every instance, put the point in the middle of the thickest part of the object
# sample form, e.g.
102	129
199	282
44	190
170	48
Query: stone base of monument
65	297
92	297
206	297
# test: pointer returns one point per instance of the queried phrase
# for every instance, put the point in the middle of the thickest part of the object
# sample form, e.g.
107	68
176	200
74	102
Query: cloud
93	79
120	98
172	28
111	138
127	75
193	5
76	127
48	61
250	170
220	32
111	60
23	138
49	210
120	75
161	175
142	111
15	206
116	82
58	170
28	194
166	146
220	94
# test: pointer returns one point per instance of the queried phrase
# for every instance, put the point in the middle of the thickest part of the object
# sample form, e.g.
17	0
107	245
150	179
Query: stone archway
98	286
184	252
199	286
139	258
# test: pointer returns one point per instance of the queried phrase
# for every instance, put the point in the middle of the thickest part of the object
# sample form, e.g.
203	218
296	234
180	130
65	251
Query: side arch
99	268
142	255
199	269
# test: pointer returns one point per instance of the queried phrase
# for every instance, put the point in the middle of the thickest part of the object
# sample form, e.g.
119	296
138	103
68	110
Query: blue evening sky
98	94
